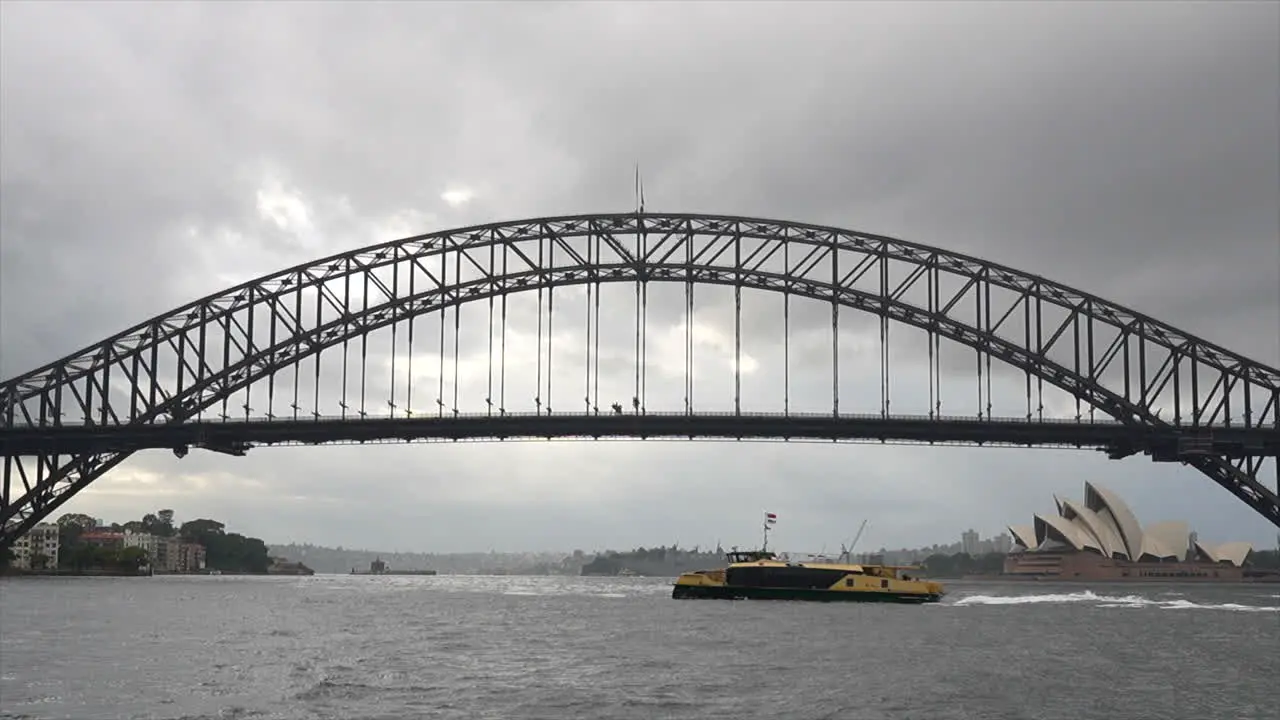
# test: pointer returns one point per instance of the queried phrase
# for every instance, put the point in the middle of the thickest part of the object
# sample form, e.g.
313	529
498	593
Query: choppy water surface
507	647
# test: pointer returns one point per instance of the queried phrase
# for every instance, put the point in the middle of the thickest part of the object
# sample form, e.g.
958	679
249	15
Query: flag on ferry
770	518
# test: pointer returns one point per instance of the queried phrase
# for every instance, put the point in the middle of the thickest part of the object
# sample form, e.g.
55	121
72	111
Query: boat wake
1107	601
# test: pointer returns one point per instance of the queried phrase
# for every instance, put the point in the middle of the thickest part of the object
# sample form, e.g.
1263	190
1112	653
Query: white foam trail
1085	596
1107	601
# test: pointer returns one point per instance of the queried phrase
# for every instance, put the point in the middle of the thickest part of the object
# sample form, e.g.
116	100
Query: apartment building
38	548
168	554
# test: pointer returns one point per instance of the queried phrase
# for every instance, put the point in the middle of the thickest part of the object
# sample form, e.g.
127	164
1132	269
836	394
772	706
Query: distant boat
378	567
282	566
627	572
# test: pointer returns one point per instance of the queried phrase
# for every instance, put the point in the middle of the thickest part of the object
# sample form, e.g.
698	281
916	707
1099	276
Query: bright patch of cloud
133	481
706	338
405	223
458	196
286	208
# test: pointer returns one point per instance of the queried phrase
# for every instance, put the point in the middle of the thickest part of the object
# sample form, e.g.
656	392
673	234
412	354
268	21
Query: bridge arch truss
202	358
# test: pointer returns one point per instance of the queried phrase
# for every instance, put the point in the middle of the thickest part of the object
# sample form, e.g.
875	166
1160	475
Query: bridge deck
1163	443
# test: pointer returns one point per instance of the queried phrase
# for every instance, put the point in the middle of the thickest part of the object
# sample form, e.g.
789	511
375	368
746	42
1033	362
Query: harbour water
553	647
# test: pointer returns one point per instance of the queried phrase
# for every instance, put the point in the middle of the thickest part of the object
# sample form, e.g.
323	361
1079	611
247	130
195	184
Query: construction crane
846	554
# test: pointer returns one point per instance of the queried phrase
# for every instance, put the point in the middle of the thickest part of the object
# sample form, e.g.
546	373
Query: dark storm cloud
1129	150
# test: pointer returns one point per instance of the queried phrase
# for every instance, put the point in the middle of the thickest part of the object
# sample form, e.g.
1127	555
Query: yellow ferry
760	575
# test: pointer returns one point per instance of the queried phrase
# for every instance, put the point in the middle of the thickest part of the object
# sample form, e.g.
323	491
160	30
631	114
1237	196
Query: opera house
1101	539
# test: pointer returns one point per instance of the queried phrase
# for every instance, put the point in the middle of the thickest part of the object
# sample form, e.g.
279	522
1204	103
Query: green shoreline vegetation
653	562
224	552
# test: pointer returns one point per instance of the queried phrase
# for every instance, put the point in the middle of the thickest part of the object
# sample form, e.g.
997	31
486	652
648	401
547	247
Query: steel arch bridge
192	377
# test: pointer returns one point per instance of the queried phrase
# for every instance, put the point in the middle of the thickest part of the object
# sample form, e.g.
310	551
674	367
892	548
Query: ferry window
884	583
848	582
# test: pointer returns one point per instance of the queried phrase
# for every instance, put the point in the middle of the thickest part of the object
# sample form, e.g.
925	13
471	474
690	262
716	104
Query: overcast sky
151	154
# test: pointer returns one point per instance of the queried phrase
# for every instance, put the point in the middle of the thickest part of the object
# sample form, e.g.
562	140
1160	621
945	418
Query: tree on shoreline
225	551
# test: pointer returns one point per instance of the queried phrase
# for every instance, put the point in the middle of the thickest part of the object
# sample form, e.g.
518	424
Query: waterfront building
175	555
37	549
189	557
969	542
168	554
1101	538
148	542
167	551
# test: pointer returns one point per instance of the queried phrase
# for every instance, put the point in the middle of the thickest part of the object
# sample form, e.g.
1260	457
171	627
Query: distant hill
653	562
342	560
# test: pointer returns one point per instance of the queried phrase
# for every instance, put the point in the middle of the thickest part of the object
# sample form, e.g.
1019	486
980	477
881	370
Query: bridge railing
606	414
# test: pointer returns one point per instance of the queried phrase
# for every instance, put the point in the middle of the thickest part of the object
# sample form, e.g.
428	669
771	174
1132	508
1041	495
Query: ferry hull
728	592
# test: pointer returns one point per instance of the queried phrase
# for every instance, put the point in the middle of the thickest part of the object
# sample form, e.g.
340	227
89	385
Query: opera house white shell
1105	525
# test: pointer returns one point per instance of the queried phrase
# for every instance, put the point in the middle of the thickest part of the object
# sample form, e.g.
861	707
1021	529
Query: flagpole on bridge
769	520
